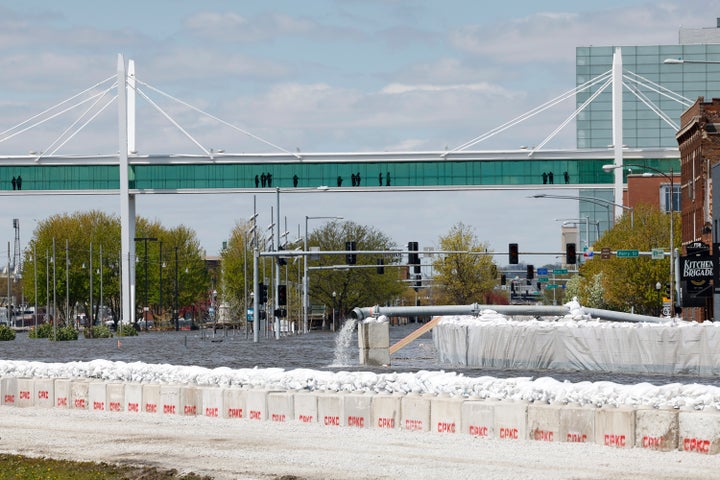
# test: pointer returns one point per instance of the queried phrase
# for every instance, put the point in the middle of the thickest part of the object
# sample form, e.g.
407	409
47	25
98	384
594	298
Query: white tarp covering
577	342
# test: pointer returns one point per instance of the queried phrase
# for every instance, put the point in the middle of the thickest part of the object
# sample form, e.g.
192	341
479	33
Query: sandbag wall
622	427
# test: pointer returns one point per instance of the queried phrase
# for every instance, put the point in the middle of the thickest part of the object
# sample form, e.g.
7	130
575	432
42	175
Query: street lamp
145	306
608	168
305	270
596	201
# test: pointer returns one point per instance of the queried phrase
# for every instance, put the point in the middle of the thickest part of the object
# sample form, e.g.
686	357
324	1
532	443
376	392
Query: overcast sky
321	76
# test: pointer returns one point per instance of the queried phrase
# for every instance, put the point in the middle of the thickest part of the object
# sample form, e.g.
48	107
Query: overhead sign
560	271
628	253
543	279
542	271
550	286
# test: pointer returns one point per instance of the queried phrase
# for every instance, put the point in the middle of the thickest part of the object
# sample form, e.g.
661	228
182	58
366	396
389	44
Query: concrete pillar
190	401
151	398
330	410
44	392
699	431
25	392
97	396
170	399
212	401
115	397
234	403
511	420
8	389
386	411
62	392
134	398
357	410
374	342
257	404
79	394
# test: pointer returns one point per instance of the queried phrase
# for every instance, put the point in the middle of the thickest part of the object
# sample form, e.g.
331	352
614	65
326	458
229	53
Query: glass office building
645	74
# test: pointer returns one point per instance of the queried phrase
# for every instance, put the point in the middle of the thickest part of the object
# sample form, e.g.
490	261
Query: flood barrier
663	429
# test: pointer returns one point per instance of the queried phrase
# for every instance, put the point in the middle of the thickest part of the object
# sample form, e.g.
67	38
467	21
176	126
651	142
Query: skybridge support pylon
126	139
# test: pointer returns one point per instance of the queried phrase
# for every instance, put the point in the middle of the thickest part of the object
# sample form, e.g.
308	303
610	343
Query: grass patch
17	467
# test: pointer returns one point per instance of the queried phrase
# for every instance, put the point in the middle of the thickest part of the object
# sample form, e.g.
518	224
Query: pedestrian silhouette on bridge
550	177
357	179
387	179
14	183
257	181
567	177
380	179
352	179
19	182
544	175
295	181
263	179
339	181
269	179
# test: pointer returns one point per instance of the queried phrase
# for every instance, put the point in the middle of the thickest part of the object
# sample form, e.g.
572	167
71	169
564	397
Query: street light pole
670	178
145	306
305	270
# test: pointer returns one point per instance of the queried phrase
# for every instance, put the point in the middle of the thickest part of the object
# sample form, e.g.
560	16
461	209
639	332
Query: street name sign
628	253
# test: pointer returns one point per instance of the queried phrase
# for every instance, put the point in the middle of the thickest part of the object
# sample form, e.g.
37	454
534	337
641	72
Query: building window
665	197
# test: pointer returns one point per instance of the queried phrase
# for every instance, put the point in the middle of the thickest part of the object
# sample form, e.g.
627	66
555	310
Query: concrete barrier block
478	418
281	406
446	414
190	400
543	422
25	392
115	397
357	410
511	420
212	401
615	427
134	398
577	423
79	394
234	403
97	396
306	407
170	399
257	408
8	389
44	392
151	398
386	411
699	431
62	392
656	429
330	409
415	413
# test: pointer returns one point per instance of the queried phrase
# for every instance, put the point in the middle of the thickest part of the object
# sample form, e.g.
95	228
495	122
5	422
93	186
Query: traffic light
281	260
503	279
263	293
514	256
413	257
570	254
350	258
418	282
530	272
282	294
380	266
667	290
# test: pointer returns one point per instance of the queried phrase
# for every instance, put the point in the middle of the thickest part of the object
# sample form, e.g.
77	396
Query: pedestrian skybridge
362	171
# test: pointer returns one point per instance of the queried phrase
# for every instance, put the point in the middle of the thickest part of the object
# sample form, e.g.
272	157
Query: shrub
44	330
6	333
128	331
98	331
66	333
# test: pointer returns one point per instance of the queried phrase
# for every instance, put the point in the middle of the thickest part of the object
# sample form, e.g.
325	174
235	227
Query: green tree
236	268
626	284
345	289
462	277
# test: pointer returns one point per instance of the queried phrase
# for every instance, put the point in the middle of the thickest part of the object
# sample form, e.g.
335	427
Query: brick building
699	143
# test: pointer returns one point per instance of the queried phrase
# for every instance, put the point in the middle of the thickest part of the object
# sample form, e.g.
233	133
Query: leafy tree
6	333
80	237
462	277
353	287
623	284
237	265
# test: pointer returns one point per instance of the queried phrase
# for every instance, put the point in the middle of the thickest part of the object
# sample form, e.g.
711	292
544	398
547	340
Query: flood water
319	350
